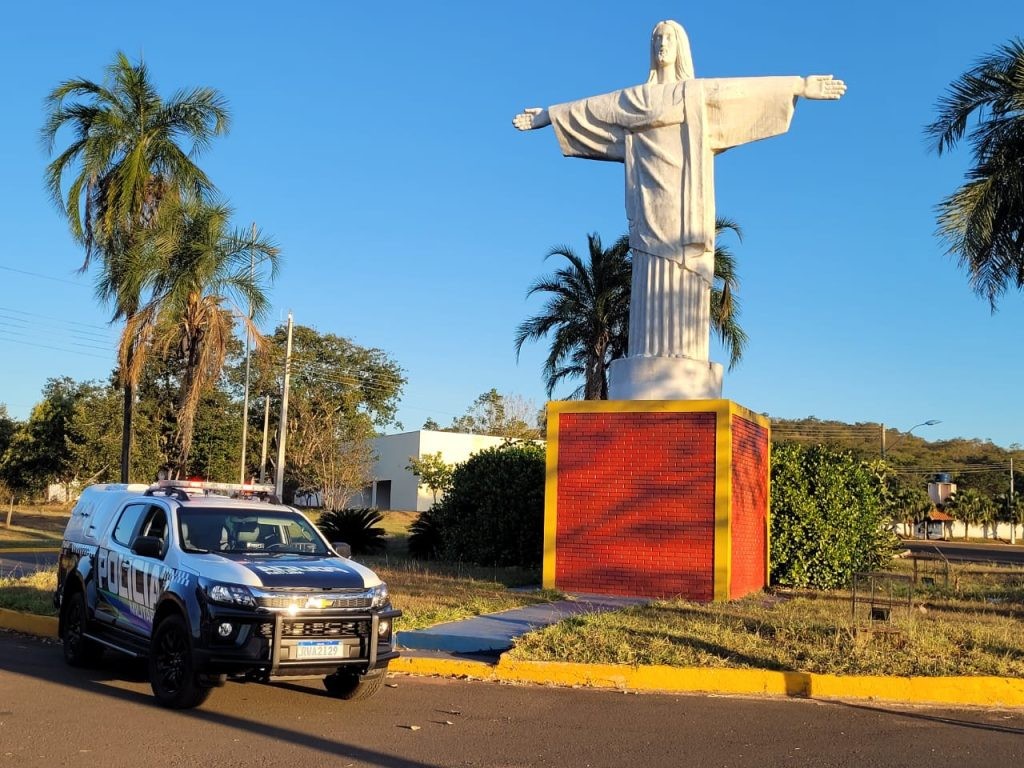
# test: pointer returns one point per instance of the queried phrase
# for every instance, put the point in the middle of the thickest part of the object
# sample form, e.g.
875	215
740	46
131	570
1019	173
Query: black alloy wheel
171	675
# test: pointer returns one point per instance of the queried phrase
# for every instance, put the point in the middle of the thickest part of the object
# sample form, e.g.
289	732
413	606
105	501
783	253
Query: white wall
394	451
955	531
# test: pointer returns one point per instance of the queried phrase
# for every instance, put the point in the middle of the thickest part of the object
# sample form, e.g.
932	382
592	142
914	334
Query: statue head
670	47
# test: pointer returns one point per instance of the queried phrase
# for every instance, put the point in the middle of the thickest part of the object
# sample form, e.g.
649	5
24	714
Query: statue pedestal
656	499
664	378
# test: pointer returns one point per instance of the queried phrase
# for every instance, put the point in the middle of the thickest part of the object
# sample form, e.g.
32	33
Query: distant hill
976	464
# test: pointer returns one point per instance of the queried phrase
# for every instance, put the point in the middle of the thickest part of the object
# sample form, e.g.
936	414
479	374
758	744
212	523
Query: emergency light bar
213	487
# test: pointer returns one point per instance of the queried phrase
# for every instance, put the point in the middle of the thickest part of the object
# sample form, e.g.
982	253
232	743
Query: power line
21	329
48	346
44	277
51	317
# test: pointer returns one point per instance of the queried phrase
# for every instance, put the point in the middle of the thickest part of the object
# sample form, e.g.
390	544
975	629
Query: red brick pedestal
656	499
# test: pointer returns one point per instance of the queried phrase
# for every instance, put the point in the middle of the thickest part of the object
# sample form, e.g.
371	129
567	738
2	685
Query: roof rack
180	489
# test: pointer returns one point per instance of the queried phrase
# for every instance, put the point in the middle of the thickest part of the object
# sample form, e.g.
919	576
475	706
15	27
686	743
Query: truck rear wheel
79	651
352	686
171	673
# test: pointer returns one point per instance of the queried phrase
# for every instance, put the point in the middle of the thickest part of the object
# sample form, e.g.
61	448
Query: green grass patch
434	593
29	594
969	627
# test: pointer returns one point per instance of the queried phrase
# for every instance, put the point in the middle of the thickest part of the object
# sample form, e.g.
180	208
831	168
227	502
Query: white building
394	486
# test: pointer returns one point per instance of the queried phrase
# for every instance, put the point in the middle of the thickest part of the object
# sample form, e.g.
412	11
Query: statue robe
667	135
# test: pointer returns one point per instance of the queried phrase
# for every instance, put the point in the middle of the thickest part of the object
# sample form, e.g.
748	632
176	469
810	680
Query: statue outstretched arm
823	87
531	118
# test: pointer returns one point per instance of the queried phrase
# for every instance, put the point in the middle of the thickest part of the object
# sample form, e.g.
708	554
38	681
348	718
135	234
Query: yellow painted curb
419	665
650	678
29	623
975	691
27	550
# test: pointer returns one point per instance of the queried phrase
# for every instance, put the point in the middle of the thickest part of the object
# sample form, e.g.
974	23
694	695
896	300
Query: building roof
940	517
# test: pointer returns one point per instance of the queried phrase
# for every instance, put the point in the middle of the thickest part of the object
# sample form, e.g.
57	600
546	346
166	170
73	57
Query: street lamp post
929	423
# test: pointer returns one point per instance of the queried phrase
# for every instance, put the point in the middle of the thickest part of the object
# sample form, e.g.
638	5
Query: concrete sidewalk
494	632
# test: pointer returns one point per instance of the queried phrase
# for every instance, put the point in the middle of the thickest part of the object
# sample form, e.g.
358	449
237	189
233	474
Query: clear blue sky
376	147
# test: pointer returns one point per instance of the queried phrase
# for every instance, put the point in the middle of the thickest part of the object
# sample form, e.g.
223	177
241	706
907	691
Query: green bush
828	517
493	513
425	537
356	527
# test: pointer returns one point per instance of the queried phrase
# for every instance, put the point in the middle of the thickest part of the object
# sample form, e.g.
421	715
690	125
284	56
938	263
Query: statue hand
823	87
530	118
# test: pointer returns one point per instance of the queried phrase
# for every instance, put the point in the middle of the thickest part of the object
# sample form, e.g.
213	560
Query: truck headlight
231	594
380	595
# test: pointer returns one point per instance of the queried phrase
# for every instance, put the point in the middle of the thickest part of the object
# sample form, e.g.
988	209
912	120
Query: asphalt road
52	715
1002	554
16	564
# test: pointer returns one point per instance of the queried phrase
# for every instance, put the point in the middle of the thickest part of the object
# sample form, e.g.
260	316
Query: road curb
429	666
963	691
27	550
958	691
29	623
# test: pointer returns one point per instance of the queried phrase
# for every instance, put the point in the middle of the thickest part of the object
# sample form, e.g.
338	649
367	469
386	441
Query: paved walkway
494	632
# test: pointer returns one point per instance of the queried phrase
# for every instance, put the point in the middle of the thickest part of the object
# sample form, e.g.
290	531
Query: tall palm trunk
597	374
126	431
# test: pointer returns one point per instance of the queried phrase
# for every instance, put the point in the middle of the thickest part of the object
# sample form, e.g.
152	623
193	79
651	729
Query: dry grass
436	593
33	526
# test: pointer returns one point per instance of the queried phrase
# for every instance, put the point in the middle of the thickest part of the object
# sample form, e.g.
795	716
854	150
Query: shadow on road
944	720
48	665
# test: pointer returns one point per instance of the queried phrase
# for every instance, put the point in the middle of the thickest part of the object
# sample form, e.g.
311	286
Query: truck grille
356	600
312	628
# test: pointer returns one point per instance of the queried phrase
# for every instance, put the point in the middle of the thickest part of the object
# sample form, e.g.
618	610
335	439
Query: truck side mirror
342	548
148	546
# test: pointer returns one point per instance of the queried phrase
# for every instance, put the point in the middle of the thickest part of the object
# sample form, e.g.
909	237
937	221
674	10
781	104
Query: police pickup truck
211	587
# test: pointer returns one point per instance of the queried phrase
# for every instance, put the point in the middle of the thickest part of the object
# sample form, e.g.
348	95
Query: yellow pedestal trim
725	411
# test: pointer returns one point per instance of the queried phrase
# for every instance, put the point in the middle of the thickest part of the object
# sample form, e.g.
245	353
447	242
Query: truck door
110	576
146	577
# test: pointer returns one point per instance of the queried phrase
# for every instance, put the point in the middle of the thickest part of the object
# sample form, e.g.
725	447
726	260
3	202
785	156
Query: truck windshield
227	530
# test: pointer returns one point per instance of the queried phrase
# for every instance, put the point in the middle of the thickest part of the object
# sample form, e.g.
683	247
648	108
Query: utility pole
883	440
266	431
279	486
245	401
1012	510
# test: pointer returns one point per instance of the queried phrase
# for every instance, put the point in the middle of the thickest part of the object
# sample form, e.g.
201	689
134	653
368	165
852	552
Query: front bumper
273	644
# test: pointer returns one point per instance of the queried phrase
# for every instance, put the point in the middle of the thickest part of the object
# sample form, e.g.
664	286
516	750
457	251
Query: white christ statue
667	132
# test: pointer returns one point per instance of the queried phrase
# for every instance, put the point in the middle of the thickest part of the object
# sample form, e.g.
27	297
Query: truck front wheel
171	673
352	686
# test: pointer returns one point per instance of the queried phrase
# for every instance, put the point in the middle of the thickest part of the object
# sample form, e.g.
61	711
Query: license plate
319	649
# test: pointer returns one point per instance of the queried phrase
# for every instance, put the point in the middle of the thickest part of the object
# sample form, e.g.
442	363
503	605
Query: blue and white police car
210	583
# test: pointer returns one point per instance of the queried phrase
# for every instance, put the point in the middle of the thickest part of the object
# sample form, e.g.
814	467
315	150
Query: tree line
340	395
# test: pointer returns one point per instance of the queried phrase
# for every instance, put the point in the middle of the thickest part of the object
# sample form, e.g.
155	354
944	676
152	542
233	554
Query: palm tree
1011	510
970	507
983	221
198	275
125	159
588	312
725	307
